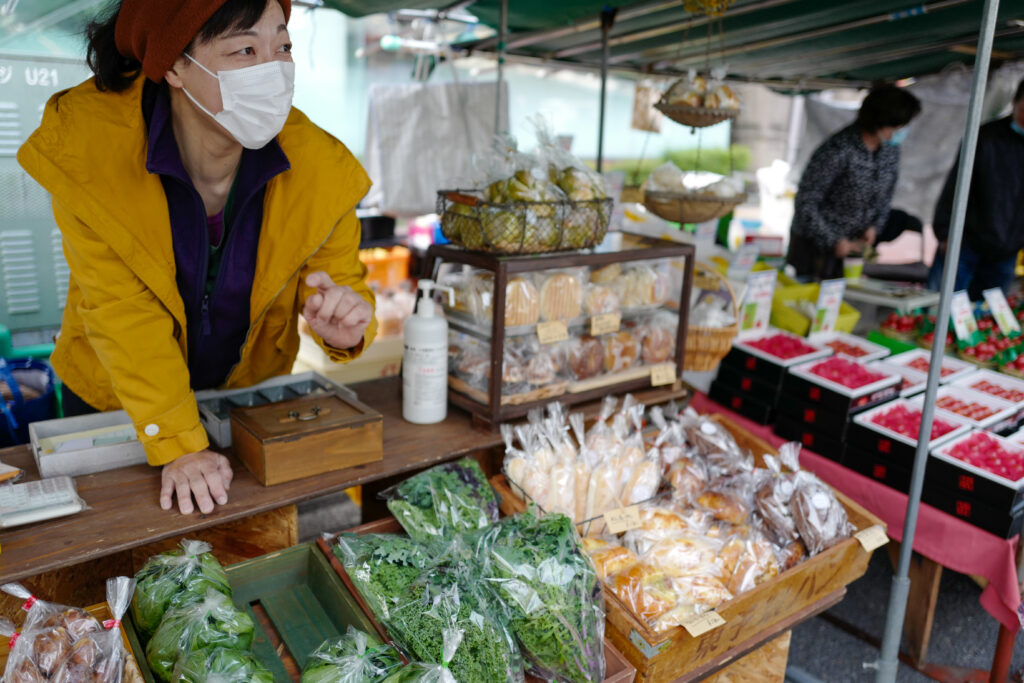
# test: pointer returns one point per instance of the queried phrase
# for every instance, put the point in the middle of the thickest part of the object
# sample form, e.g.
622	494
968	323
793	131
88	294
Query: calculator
37	501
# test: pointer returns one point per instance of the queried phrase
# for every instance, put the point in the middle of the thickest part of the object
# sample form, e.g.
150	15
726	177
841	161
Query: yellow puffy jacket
122	342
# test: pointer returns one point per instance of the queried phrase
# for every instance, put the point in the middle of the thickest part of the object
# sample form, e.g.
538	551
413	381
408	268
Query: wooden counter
124	511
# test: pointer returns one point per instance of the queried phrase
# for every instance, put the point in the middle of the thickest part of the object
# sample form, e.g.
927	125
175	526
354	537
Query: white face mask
256	100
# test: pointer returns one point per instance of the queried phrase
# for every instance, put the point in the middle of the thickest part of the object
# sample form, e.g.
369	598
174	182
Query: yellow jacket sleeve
133	335
339	258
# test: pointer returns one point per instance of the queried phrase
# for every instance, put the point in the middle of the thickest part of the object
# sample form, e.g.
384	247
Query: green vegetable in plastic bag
173	579
214	622
382	566
443	501
419	672
356	657
221	665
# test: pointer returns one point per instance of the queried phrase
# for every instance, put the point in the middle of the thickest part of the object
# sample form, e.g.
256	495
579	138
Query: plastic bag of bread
773	501
582	468
725	499
585	358
600	299
640	285
620	351
602	495
100	657
644	481
521	470
513	370
646	590
522	300
820	518
561	294
722	97
609	557
658	338
707	436
695	595
685	555
573	177
687	91
688	478
748	560
601	438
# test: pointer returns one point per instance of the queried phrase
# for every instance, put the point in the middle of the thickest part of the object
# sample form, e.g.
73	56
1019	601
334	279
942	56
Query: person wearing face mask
844	197
994	224
200	214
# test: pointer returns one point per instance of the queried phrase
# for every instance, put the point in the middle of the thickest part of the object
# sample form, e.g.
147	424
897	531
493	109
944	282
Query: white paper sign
962	313
830	299
757	303
1001	310
743	262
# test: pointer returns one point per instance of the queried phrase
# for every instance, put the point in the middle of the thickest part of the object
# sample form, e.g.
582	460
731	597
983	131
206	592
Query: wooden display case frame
641	248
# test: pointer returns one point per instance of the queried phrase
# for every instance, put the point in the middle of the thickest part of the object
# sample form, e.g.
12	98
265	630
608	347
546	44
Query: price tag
700	625
830	299
743	263
606	323
871	538
622	519
663	374
757	303
1001	310
552	331
962	313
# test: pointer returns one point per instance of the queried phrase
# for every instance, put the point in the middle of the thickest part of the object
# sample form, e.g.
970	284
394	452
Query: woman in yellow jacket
200	214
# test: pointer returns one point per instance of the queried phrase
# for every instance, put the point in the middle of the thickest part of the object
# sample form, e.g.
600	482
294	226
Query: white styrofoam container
803	371
958	368
993	377
90	460
1005	412
872	351
913	381
745	346
864	419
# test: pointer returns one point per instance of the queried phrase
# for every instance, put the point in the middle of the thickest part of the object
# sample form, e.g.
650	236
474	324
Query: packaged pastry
820	518
522	303
644	481
724	505
640	285
620	351
773	501
646	590
612	560
605	275
561	296
658	336
602	299
586	357
722	97
685	555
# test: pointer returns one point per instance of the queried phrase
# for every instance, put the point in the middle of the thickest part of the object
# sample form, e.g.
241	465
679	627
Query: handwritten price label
622	519
552	332
663	374
871	538
606	323
704	623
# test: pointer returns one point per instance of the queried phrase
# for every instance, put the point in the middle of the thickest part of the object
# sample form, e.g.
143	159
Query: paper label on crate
962	314
552	332
757	303
743	262
1001	310
623	519
606	323
663	374
830	299
700	625
872	538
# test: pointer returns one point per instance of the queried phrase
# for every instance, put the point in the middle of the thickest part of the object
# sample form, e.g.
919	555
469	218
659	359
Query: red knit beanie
156	32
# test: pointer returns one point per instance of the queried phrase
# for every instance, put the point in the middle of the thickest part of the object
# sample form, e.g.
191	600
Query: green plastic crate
303	600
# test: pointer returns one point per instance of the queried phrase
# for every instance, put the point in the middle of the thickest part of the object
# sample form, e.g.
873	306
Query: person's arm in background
812	193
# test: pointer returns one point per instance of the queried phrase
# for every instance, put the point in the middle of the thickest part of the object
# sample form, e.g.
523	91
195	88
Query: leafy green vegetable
221	665
214	622
419	672
173	579
445	500
550	590
381	566
356	657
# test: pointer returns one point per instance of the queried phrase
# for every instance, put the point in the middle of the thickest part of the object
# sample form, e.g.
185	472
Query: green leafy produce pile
382	566
221	665
356	657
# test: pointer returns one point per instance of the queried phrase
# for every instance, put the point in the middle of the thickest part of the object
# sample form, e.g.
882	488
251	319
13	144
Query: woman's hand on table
205	476
844	247
870	235
336	314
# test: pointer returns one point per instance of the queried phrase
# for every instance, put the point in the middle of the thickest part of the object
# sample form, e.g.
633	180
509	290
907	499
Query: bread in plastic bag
820	518
773	501
748	561
561	294
356	657
659	339
223	665
585	358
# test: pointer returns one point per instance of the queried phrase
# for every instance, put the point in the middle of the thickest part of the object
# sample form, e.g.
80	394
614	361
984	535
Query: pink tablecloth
943	538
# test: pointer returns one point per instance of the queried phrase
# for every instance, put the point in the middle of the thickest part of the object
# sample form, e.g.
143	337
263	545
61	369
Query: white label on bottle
425	383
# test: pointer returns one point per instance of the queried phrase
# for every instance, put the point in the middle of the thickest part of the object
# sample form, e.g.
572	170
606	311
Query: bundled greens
174	579
214	622
443	501
356	657
381	566
221	665
551	592
419	672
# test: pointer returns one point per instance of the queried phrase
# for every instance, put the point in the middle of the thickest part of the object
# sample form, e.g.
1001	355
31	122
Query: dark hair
116	73
1020	91
887	105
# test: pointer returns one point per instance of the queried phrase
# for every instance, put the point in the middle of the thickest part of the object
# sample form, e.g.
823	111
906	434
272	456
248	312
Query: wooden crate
296	602
766	664
617	670
102	613
751	618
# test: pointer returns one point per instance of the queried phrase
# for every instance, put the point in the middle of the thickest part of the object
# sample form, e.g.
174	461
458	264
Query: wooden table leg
925	575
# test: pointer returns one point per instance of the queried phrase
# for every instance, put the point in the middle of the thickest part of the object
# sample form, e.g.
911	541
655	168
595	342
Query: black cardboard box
825	444
749	383
802	384
744	404
881	469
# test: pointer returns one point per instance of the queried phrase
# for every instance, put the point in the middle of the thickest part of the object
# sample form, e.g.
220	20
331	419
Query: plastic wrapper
585	358
602	495
213	622
551	593
600	437
609	557
694	596
513	371
688	477
561	294
773	502
382	566
658	337
681	555
646	590
420	672
545	365
620	351
820	518
523	470
447	499
356	657
173	579
601	299
224	665
470	361
641	286
578	181
709	437
748	561
644	481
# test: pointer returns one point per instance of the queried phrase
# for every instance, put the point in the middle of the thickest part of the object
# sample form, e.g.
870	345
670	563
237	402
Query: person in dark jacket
994	225
846	190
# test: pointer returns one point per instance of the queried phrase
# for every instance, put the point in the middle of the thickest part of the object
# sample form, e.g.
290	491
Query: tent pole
888	663
502	32
607	21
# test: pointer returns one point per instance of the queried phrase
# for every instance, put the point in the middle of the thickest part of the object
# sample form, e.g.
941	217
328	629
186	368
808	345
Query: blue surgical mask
898	136
1015	127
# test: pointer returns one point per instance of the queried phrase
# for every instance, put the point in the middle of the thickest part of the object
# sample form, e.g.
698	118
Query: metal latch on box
296	416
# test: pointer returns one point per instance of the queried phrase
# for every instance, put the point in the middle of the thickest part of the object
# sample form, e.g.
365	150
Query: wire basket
707	346
521	227
690	208
696	117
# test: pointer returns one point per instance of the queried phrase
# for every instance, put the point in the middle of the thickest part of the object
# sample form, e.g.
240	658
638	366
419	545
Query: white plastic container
425	359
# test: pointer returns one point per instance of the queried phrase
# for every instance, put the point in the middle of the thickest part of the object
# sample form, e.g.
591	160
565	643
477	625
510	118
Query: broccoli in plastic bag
550	589
382	566
445	500
356	657
419	672
174	579
221	665
214	622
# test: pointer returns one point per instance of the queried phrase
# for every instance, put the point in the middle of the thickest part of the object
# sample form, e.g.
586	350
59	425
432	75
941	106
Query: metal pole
502	31
607	21
888	663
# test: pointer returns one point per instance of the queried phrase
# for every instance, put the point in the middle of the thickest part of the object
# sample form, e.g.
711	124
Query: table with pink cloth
951	542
